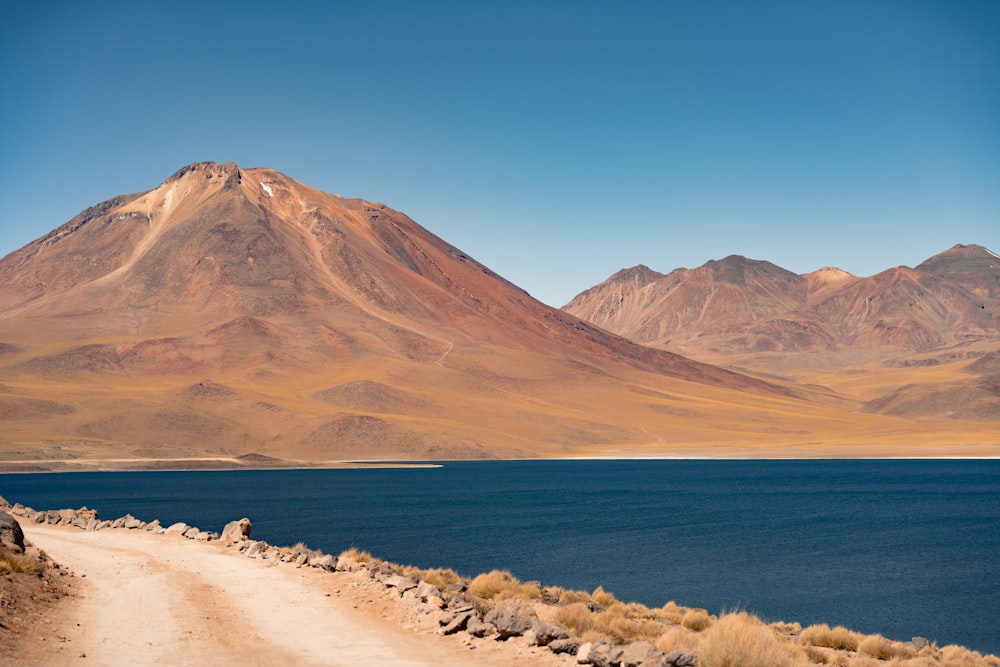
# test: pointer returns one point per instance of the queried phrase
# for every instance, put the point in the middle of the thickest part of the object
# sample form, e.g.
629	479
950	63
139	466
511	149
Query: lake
898	547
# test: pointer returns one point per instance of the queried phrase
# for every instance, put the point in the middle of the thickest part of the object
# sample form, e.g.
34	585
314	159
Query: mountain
758	317
238	313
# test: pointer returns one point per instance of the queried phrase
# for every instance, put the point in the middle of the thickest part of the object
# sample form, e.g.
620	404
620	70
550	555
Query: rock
180	527
256	549
546	633
603	654
325	562
347	565
583	653
11	535
86	513
569	645
426	591
479	628
681	658
132	523
458	623
642	654
400	583
153	526
236	531
512	617
920	642
3	503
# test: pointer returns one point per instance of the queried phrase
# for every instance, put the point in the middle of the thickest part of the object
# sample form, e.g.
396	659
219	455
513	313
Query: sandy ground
145	599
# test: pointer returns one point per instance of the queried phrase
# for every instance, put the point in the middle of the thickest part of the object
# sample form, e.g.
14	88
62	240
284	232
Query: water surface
902	548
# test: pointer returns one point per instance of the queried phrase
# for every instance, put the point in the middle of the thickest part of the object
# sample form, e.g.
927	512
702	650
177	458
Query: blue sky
555	142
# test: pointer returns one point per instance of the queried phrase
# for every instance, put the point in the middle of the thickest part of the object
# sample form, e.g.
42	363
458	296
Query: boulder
569	645
642	654
480	628
512	617
425	591
920	642
546	633
601	654
11	535
325	562
399	582
458	622
236	531
681	658
180	527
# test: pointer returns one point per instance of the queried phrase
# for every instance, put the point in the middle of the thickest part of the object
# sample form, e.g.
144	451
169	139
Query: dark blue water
902	548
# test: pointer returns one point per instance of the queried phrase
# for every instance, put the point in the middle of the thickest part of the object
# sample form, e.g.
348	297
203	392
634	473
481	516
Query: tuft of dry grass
742	640
675	638
358	556
576	617
959	656
569	597
881	648
625	625
823	635
11	562
696	619
502	585
602	597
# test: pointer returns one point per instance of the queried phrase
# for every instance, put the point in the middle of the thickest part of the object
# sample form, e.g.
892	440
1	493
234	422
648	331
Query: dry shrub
784	628
862	661
672	612
502	585
624	628
742	640
569	597
441	577
817	656
959	656
696	619
356	555
675	638
11	562
838	637
576	617
602	597
881	648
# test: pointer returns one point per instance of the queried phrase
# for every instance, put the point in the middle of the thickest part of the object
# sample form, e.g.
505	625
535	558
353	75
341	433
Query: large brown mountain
755	315
238	312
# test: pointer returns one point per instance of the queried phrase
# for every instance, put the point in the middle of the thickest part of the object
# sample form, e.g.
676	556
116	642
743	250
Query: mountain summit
236	312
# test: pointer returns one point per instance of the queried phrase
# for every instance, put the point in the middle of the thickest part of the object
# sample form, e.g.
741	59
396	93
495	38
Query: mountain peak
736	268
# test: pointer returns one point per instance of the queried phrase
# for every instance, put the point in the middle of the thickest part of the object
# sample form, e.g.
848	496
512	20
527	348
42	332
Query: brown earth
235	311
145	599
904	342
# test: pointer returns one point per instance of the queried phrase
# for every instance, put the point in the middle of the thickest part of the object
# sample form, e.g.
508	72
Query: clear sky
556	142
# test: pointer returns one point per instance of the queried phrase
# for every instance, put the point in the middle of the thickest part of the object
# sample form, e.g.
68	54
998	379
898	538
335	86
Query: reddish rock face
737	306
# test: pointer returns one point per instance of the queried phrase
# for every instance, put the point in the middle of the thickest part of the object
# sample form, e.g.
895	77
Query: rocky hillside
233	311
753	314
739	305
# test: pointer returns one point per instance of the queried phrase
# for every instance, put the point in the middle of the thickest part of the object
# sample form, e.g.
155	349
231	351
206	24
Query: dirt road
150	599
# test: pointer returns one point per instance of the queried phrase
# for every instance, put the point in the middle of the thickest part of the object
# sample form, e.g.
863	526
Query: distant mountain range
237	312
743	311
738	305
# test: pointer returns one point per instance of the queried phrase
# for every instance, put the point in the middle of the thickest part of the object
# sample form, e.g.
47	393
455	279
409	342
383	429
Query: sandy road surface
163	600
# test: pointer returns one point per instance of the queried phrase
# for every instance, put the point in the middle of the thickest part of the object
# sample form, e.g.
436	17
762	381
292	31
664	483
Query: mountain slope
233	311
752	315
